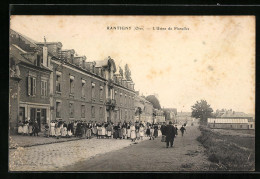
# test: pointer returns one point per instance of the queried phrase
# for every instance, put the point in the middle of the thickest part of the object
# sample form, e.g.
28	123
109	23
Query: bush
227	152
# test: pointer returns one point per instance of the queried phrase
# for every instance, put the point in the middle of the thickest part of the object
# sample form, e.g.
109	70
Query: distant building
170	114
185	117
158	116
230	119
143	109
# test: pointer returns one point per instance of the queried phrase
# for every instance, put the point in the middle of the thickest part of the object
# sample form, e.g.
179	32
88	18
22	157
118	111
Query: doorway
39	115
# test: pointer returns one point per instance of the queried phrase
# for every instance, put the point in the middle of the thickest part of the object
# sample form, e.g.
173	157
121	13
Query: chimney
45	54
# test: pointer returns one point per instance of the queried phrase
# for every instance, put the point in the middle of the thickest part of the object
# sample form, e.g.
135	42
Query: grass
234	153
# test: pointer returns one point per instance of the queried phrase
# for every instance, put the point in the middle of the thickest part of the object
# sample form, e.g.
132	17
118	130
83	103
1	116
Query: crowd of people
121	130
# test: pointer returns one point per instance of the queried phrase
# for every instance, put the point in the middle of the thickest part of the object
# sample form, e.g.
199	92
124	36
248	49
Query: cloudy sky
213	60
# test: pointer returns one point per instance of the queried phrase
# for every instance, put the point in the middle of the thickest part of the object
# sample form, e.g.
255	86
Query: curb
25	146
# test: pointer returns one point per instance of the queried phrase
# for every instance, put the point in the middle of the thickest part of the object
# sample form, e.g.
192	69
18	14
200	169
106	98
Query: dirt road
152	155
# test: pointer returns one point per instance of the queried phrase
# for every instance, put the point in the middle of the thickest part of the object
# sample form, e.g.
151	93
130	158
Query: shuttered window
43	88
31	86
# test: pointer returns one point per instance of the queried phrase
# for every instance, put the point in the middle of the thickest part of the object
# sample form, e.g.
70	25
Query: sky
211	58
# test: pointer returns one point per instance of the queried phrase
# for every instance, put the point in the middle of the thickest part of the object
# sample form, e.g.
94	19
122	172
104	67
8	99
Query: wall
228	126
65	97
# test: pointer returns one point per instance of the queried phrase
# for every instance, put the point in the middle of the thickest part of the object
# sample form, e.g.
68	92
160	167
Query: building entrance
39	115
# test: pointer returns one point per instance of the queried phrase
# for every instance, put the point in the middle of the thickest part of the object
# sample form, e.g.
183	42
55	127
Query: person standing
52	131
182	129
20	128
163	129
46	131
155	130
30	127
133	133
109	130
170	134
151	132
176	130
141	131
25	128
35	128
70	128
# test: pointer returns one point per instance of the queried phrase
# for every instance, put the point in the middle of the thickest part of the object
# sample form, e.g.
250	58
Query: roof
142	99
171	110
227	121
30	41
107	62
16	51
233	114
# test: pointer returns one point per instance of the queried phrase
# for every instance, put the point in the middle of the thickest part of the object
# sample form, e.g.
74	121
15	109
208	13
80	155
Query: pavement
112	155
16	141
151	155
41	155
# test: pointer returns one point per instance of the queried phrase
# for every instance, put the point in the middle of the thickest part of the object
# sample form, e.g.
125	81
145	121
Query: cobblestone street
55	156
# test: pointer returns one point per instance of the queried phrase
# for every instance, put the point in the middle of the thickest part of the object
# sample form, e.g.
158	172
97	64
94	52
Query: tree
121	71
155	102
138	112
201	110
127	73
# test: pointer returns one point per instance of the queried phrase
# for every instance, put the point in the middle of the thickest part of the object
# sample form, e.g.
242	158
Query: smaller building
159	116
228	123
235	117
170	114
143	109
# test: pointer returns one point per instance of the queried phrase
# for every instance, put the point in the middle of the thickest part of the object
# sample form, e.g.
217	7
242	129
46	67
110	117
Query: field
229	150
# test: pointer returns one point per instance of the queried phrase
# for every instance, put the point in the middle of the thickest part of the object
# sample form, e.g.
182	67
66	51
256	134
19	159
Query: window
125	114
93	91
22	114
83	111
251	125
83	85
31	86
58	83
121	99
240	126
125	100
116	115
71	84
93	111
58	109
101	93
43	88
100	112
71	110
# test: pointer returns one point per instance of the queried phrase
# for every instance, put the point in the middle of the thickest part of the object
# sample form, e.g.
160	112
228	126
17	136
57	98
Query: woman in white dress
20	127
25	128
132	132
141	132
64	130
103	131
52	131
99	131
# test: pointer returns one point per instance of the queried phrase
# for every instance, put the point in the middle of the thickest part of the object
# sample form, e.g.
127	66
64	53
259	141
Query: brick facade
56	84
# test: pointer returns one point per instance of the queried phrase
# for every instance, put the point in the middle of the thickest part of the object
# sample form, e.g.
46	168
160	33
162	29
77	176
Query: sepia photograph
131	93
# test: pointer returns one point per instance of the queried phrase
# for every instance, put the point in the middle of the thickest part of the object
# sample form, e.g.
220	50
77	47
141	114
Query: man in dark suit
170	134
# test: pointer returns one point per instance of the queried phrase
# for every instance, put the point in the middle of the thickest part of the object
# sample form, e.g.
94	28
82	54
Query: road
151	155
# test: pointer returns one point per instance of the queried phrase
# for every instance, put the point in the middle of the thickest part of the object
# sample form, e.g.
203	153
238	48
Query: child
46	130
